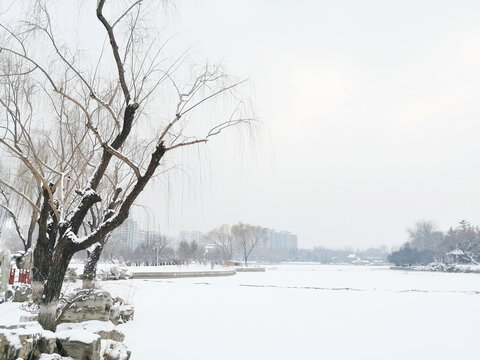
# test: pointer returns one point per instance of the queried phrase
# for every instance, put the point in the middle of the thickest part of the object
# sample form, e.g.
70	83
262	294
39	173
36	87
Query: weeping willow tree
76	122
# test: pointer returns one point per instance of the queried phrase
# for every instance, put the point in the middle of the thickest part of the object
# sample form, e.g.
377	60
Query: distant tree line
239	242
427	244
326	255
222	244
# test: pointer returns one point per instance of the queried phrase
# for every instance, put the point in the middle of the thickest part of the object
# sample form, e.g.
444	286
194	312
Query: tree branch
116	54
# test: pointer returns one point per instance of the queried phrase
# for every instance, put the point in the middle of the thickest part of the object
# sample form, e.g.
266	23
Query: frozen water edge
279	314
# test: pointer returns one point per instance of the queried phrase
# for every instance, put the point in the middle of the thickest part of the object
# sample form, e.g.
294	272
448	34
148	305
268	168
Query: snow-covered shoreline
441	267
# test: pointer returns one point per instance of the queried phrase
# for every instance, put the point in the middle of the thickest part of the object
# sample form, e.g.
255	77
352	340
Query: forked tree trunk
67	244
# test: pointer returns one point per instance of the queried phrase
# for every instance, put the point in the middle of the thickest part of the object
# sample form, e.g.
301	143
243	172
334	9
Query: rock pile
24	340
86	304
86	331
18	293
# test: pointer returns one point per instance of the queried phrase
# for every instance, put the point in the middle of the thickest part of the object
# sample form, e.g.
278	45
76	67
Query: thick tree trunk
42	254
90	269
47	316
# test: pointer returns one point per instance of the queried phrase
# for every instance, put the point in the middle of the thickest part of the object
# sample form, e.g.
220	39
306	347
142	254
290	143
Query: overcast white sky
370	118
370	110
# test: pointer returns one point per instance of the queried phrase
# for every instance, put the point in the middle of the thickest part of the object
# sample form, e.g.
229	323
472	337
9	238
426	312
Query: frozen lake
305	312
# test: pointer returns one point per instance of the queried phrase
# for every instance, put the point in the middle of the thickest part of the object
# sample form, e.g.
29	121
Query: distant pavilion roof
457	251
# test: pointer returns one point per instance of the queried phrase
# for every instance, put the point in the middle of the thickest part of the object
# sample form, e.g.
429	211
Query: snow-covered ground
176	268
305	312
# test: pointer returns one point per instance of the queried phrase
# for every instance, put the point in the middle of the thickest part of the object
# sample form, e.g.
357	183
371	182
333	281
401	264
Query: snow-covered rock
113	273
19	293
90	305
53	357
28	318
114	350
443	267
18	340
120	312
47	343
79	344
105	329
24	340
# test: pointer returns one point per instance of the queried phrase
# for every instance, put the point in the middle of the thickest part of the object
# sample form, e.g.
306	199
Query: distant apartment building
280	240
277	246
127	234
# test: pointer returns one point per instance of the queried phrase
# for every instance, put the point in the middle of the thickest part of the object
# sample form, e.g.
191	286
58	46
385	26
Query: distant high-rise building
279	240
277	245
128	234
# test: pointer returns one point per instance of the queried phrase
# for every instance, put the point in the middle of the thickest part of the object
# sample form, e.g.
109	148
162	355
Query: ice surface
305	312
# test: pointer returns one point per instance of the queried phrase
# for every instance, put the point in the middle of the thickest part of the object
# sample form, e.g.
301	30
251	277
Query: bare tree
247	237
224	242
81	103
425	236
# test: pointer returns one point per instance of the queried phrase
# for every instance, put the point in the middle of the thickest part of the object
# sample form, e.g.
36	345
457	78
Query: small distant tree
247	238
184	252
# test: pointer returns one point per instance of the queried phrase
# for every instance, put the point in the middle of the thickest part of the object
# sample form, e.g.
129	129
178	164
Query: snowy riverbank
441	267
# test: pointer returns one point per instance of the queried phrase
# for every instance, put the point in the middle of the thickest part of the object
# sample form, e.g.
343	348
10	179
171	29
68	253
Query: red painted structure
11	279
23	276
